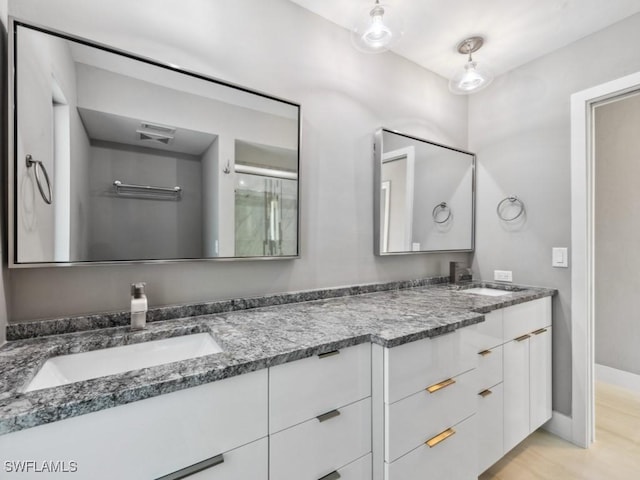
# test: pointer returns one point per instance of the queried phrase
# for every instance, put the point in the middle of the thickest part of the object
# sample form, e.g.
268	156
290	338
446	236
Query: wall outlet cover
503	275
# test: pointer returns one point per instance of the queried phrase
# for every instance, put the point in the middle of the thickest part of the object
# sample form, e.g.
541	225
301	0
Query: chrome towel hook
39	166
513	201
442	206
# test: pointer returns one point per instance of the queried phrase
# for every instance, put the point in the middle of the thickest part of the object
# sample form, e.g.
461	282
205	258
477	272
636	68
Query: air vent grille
154	137
157	128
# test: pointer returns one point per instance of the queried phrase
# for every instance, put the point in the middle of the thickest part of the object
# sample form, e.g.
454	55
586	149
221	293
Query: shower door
266	218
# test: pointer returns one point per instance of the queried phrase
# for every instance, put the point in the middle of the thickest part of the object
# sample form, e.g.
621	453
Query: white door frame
582	252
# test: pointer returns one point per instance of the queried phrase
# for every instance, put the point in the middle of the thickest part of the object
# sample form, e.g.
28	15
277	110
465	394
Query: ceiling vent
157	128
147	136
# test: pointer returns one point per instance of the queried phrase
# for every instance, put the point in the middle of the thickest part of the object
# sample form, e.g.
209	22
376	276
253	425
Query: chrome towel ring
39	166
441	207
513	201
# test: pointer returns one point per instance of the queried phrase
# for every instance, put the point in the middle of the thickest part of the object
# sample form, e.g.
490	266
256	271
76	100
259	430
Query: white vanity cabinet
320	416
514	377
220	425
424	409
527	369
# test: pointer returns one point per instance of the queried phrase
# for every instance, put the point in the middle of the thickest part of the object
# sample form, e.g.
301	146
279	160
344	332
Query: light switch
559	257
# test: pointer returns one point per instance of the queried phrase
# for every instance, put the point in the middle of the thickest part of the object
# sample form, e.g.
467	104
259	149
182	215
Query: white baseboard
620	378
560	425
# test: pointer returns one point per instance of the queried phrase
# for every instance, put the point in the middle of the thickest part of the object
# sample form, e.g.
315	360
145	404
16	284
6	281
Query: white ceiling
515	31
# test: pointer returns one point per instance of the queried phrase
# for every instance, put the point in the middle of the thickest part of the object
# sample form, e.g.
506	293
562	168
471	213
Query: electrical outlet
503	275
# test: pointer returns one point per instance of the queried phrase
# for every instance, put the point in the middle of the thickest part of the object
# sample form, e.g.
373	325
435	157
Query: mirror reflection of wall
398	168
425	200
94	117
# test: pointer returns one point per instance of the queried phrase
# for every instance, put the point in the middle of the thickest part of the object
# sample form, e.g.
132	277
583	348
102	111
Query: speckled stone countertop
251	340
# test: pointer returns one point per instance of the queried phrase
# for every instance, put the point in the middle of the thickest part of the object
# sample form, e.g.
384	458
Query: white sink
491	292
108	361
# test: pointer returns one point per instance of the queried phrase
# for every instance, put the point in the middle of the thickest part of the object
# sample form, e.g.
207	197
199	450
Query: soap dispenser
138	306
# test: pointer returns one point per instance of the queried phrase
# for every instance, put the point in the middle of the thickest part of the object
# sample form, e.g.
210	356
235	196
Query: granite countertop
251	340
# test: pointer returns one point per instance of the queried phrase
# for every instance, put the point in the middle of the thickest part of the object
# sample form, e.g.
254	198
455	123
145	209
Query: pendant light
377	30
472	77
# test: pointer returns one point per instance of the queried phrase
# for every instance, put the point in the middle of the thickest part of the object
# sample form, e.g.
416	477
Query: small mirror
120	158
424	196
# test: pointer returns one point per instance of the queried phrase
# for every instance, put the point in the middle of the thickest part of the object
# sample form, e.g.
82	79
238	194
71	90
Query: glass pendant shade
472	77
377	30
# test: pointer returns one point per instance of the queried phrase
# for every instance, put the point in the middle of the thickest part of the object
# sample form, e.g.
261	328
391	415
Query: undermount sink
490	292
76	367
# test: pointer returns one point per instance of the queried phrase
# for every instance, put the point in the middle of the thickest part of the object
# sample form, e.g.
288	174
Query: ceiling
515	31
119	129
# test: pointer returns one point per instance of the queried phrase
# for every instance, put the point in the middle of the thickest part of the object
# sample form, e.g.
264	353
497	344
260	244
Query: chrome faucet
458	272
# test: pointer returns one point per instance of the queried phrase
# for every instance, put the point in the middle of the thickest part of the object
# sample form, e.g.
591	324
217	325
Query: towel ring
513	200
39	166
444	207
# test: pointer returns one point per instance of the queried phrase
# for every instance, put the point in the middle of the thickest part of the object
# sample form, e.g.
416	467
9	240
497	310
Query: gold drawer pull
484	353
485	393
538	332
522	338
441	437
441	385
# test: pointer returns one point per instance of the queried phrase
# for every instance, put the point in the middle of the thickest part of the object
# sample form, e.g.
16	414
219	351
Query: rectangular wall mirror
424	196
116	158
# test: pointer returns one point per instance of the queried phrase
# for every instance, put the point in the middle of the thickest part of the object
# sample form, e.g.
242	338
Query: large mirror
424	196
119	158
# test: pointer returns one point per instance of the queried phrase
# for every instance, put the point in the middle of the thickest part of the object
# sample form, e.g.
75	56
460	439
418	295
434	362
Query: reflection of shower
265	216
273	217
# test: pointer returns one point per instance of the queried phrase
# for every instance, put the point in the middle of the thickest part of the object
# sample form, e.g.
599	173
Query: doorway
583	221
616	122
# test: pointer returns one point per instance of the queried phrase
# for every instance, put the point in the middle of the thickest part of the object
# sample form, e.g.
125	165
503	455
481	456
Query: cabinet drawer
155	436
412	366
490	427
358	470
452	459
247	462
526	317
415	419
489	333
489	371
315	448
306	388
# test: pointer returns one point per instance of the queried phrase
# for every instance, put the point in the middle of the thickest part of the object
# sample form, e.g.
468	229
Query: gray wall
441	175
49	57
345	97
617	234
132	228
445	176
520	129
